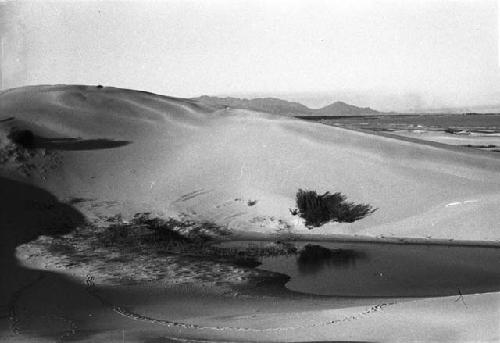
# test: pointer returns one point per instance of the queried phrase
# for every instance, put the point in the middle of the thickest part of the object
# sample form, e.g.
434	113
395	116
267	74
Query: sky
391	55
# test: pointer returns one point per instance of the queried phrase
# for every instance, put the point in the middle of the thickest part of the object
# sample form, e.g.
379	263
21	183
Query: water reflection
314	258
388	270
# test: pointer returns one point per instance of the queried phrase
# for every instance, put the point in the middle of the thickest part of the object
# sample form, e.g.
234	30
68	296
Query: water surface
387	270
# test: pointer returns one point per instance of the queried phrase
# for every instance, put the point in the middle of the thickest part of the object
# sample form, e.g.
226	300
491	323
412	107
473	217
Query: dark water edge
364	269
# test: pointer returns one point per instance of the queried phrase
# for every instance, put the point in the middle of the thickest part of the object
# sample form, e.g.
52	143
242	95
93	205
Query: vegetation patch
153	233
146	248
18	153
319	209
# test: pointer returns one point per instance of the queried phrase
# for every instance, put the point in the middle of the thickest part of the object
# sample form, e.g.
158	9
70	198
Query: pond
385	270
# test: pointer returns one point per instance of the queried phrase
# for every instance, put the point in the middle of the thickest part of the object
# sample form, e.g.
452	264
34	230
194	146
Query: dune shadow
6	119
76	144
29	211
26	212
29	140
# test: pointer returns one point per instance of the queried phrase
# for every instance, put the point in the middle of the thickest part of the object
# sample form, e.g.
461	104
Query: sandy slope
174	155
121	152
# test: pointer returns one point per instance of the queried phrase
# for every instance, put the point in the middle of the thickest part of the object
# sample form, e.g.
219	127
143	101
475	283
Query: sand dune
146	152
108	151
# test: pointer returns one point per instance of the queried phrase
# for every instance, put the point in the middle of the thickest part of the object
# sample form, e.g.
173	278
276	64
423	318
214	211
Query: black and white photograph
214	171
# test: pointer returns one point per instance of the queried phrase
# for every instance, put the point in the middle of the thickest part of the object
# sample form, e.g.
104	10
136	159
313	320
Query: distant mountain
341	108
268	105
283	107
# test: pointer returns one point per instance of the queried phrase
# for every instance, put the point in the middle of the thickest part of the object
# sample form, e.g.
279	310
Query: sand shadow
26	212
76	144
29	211
29	140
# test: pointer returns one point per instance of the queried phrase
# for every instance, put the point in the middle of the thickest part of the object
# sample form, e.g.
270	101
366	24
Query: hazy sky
417	53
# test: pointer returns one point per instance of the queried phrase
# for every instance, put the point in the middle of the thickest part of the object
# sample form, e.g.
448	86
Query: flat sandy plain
102	155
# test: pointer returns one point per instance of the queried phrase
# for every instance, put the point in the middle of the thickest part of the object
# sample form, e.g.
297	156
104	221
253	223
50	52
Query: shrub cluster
320	209
171	234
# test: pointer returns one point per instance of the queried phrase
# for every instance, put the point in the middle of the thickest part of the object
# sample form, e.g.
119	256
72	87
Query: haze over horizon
388	55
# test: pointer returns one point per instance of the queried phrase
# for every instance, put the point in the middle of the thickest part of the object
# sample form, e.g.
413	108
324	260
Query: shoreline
340	238
433	144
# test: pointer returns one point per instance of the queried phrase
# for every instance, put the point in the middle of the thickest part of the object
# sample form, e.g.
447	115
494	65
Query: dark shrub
321	209
24	138
251	202
162	230
181	231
